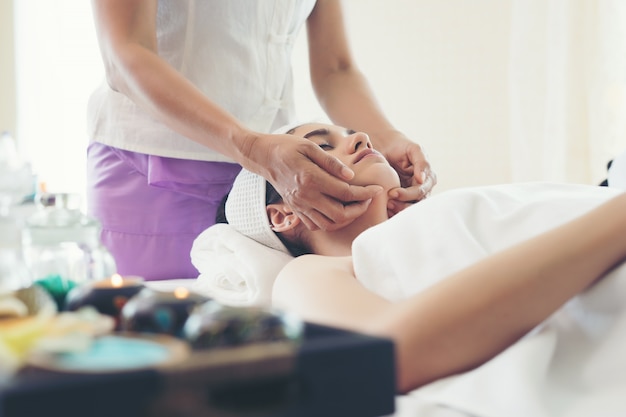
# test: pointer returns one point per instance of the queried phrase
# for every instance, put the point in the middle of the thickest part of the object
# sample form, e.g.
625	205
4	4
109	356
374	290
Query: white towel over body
573	364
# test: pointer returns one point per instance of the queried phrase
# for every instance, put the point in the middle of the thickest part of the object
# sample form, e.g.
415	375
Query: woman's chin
386	177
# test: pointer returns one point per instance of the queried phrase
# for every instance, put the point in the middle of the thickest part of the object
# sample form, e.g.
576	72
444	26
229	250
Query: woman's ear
281	217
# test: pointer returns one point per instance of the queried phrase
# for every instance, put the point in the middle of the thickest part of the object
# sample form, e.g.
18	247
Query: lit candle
153	311
107	296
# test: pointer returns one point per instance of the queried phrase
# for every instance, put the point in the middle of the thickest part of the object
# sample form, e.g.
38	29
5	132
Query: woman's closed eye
326	146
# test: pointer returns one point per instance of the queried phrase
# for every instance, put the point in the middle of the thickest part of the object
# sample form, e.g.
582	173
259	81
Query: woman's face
355	150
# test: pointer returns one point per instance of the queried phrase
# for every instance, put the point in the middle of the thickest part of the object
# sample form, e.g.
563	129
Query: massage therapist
193	91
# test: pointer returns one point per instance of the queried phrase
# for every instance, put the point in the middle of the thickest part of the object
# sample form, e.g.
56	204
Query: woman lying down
525	253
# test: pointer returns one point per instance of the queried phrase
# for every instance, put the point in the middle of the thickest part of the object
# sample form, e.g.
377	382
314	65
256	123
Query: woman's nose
359	140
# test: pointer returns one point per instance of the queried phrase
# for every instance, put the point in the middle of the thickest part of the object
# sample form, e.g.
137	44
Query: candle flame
117	280
181	293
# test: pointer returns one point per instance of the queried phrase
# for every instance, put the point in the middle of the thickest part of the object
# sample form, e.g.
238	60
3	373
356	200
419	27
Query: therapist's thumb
331	164
358	193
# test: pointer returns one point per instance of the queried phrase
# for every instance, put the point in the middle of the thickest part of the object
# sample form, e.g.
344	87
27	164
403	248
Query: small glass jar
62	244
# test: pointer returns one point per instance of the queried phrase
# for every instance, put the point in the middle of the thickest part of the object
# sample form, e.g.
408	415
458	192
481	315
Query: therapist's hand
313	183
416	176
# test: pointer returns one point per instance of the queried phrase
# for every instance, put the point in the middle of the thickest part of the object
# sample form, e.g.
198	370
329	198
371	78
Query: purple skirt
152	208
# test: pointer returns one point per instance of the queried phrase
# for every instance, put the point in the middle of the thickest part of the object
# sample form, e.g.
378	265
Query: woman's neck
339	242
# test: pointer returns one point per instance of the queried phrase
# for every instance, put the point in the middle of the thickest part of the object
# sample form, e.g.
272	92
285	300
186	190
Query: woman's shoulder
310	276
313	269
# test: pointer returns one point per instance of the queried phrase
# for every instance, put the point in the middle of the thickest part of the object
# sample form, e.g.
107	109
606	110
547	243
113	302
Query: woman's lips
364	153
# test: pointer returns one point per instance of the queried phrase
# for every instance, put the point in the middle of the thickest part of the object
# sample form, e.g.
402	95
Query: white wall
439	69
57	70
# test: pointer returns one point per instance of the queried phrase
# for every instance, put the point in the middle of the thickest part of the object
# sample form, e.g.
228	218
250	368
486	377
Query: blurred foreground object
29	325
165	312
214	325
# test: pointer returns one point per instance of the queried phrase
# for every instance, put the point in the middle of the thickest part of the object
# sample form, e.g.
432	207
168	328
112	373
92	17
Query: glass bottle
62	244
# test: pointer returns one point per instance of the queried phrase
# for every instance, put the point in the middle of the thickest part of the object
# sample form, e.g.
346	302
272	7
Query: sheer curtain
57	67
567	88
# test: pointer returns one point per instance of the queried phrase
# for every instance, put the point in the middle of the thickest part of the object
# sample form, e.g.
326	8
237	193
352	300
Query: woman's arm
470	317
345	95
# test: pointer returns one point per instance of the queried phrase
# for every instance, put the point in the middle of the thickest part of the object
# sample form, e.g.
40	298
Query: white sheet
572	365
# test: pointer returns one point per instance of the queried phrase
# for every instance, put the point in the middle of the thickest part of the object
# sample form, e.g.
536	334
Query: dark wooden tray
332	373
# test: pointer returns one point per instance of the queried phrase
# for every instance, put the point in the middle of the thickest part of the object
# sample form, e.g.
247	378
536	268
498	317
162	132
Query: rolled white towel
234	269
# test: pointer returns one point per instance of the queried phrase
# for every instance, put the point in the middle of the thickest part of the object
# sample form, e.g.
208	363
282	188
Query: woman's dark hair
271	197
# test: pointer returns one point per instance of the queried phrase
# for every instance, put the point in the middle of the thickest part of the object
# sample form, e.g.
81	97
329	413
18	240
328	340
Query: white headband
289	126
246	206
246	210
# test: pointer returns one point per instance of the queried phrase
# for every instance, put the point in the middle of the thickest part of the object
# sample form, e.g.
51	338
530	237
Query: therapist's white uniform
154	190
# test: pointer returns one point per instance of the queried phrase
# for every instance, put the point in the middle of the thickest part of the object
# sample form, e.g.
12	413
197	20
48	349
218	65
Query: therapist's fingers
417	184
409	195
342	215
330	164
358	201
401	198
429	180
331	204
410	162
314	184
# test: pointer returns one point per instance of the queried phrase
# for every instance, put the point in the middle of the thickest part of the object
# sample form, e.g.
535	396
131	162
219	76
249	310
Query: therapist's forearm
347	98
149	81
340	87
126	31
